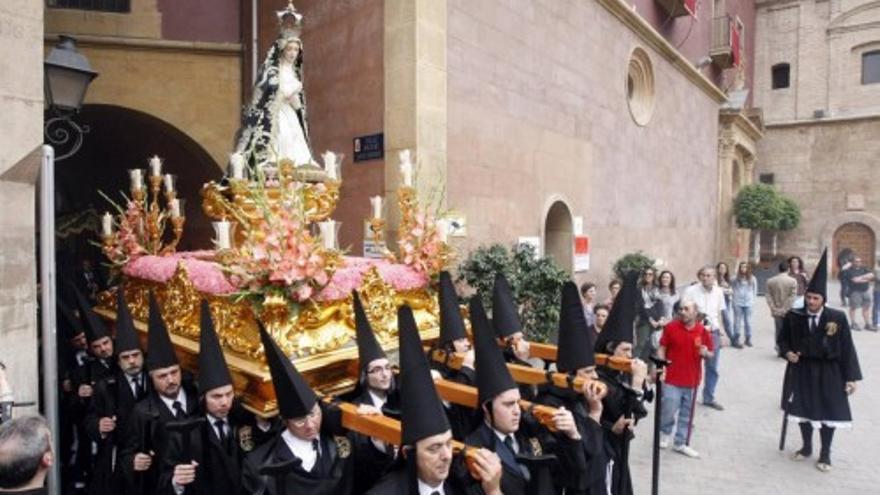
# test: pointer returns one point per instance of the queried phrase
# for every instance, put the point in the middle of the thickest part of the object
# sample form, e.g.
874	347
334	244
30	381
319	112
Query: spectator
613	289
844	262
710	302
781	293
876	297
745	289
25	455
647	321
722	272
858	279
601	311
684	342
668	295
797	272
588	294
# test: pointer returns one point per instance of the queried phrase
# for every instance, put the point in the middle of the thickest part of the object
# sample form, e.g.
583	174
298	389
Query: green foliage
790	214
632	262
761	207
536	284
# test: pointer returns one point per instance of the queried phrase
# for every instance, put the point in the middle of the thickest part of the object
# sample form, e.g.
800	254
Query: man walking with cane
685	342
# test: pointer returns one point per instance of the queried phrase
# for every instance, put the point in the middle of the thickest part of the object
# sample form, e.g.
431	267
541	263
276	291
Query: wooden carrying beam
521	374
387	429
547	352
467	396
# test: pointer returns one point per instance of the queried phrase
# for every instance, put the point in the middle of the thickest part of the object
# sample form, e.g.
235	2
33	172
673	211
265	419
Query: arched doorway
559	236
122	139
857	237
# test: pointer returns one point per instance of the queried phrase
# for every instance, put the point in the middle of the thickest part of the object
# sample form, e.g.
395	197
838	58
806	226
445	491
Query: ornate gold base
320	338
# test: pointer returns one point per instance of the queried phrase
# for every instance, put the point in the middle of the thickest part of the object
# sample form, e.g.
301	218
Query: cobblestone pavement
739	446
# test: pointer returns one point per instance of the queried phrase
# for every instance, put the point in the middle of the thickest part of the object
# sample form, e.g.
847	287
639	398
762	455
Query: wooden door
857	237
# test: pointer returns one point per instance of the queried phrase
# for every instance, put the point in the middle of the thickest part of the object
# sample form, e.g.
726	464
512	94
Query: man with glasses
710	301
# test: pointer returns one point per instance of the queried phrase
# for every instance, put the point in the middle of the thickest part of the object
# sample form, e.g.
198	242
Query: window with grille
781	75
99	5
871	67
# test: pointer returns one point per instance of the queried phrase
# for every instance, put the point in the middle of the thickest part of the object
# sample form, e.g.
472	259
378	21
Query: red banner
734	42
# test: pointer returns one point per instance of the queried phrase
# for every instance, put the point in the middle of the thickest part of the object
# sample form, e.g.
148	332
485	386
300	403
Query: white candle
236	161
442	229
330	164
221	228
328	233
107	224
155	166
175	208
169	183
137	179
406	167
376	202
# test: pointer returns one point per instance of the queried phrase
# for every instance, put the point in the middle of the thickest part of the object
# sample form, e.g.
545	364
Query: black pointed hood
91	322
451	322
213	372
575	349
368	347
160	350
819	283
69	325
493	377
294	396
505	315
126	334
422	413
619	325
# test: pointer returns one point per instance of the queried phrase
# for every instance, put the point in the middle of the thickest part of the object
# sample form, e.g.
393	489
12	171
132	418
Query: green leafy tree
536	283
760	207
632	262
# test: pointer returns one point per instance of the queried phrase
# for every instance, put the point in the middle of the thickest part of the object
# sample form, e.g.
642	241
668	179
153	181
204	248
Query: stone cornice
743	122
86	40
829	120
644	30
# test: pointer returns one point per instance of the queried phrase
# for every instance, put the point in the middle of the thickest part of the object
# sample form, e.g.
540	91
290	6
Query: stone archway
121	139
858	238
828	236
559	235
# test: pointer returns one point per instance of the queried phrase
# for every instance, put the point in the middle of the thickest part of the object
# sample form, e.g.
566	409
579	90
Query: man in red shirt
685	342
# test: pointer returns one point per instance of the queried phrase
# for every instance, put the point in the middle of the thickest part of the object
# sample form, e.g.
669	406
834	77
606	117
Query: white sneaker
665	440
686	450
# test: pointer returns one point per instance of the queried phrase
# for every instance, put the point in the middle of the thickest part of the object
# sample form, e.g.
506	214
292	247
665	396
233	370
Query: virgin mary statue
274	126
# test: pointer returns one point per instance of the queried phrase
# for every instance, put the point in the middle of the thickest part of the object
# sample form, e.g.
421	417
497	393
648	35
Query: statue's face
291	51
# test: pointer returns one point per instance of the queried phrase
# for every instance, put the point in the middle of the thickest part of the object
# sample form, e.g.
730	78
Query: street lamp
67	77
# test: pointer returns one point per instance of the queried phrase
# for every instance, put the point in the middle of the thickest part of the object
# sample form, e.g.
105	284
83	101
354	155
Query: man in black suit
212	462
531	456
822	369
172	399
114	399
313	454
429	466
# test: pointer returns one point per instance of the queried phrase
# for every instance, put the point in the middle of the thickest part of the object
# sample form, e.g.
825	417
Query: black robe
112	397
219	464
619	402
591	480
333	474
544	460
462	420
145	431
401	481
89	373
814	388
380	461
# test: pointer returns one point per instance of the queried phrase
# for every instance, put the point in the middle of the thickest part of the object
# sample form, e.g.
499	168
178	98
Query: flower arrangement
279	256
130	240
420	246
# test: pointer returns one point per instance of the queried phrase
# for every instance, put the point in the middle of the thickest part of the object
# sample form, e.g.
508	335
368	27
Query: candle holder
138	195
408	204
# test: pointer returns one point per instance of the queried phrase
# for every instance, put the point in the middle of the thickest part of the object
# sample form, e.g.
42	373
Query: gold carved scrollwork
379	304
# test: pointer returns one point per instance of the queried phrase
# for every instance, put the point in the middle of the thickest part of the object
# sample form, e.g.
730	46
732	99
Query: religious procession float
276	257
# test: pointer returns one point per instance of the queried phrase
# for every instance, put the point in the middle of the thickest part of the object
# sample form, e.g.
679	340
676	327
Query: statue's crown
289	21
